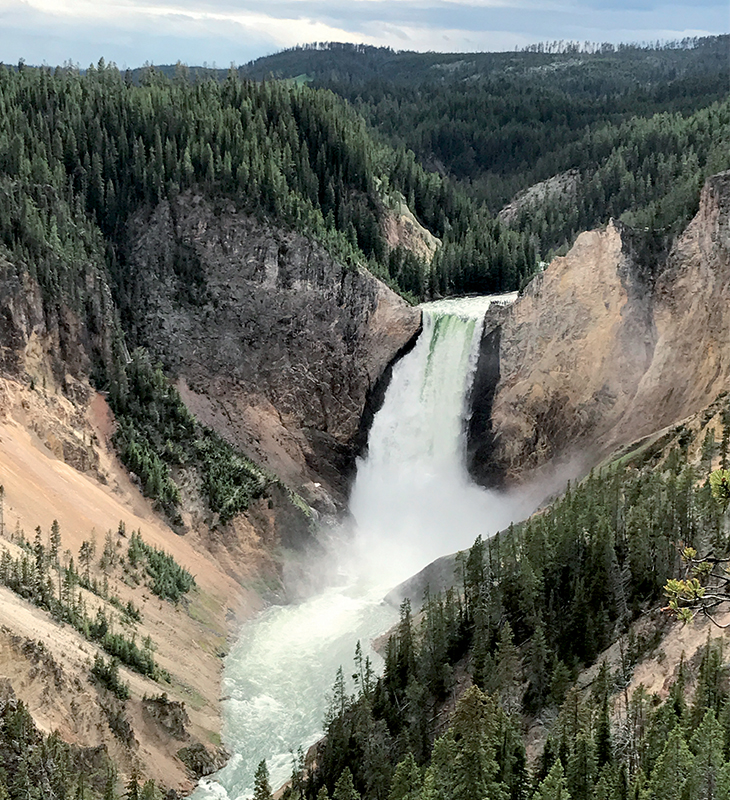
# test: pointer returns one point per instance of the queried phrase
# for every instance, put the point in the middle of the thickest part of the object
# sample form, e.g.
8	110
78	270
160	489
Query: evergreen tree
439	781
262	787
672	773
706	776
407	780
554	786
345	788
604	750
132	791
474	733
508	670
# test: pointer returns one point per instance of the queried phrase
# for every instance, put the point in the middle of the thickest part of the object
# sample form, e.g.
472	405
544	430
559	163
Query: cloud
131	32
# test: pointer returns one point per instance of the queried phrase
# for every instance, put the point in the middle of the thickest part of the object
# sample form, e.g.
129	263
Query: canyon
287	353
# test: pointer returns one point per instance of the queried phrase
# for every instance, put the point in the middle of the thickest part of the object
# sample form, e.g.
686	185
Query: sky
221	32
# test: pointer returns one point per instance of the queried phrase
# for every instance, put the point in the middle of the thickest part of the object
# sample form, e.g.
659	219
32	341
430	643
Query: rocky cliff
56	342
272	342
600	350
54	347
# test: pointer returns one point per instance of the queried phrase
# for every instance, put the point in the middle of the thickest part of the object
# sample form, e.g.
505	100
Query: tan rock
598	351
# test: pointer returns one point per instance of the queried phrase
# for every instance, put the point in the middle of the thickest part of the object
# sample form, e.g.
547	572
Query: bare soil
190	637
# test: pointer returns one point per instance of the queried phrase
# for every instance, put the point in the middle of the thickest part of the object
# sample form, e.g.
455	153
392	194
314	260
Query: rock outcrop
402	229
53	344
599	351
561	188
274	343
52	347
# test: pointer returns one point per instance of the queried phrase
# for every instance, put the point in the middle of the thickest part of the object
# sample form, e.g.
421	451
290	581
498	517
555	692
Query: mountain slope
189	638
284	345
499	123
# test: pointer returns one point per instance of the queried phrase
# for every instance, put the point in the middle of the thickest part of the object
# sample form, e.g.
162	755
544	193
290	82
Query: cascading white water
412	502
412	499
278	676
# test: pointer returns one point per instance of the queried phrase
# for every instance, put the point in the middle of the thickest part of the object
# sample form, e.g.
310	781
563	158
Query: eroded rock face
274	344
598	351
47	346
47	342
691	362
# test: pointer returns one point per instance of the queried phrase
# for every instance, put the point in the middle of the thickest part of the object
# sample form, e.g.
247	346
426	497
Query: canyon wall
273	343
600	350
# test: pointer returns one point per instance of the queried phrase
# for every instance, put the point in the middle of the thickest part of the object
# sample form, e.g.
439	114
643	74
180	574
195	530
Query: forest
621	119
638	131
80	153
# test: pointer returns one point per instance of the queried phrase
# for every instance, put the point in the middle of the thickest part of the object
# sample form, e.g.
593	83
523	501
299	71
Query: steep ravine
599	351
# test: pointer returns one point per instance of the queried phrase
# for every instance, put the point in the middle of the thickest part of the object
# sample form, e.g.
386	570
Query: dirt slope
48	664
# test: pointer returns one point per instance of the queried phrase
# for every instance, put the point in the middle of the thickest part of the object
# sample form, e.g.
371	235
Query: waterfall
412	502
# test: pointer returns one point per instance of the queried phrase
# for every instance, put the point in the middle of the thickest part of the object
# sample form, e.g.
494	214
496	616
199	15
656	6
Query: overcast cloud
132	32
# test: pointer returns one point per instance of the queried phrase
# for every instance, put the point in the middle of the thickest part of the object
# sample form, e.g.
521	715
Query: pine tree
131	791
723	784
554	786
604	750
707	747
407	780
581	768
710	692
55	543
537	670
262	787
474	732
439	782
559	683
671	774
296	782
110	784
508	672
149	791
344	788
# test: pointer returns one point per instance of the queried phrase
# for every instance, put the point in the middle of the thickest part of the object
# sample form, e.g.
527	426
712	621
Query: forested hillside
534	607
634	124
86	151
636	131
